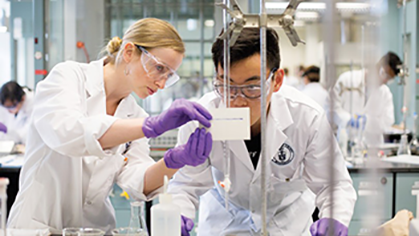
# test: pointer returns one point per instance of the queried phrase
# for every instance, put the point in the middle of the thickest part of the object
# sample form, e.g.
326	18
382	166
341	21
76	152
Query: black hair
11	91
392	60
247	45
312	73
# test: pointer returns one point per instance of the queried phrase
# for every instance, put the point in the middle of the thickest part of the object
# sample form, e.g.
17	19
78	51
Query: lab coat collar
278	120
96	95
94	77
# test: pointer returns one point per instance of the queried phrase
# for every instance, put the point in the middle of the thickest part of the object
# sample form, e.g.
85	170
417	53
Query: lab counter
387	167
389	189
393	181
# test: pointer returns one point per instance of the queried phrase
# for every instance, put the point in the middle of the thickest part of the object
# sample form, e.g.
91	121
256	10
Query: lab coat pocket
213	217
280	188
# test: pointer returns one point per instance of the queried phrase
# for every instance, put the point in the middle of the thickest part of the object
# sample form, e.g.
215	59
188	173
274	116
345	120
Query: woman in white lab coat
87	133
299	149
17	104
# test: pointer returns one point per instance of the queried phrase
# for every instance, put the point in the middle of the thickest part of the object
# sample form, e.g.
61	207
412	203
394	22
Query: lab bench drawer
404	198
373	195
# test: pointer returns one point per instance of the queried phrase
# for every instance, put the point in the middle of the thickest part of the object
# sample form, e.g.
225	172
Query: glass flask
404	147
137	224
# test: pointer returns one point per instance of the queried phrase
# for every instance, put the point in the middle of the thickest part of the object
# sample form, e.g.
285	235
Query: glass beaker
71	231
83	232
127	231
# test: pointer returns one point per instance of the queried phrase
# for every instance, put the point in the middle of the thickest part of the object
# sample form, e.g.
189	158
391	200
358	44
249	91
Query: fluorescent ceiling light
352	6
320	5
307	15
209	23
191	24
301	6
299	23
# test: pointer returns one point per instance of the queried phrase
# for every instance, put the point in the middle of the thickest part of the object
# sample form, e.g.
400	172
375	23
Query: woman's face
149	70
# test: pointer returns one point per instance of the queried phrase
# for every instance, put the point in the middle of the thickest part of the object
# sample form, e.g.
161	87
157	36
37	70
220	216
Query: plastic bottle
3	198
165	216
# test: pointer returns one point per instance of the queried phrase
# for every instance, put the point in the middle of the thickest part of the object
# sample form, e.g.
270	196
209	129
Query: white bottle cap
4	181
165	198
3	185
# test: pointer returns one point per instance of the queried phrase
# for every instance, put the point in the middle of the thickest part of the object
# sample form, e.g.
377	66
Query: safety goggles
250	91
12	107
157	70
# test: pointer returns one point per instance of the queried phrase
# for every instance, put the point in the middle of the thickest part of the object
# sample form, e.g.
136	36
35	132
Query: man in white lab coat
301	150
15	111
313	88
361	92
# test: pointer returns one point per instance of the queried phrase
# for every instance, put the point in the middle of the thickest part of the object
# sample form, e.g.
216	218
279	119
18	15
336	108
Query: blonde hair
148	33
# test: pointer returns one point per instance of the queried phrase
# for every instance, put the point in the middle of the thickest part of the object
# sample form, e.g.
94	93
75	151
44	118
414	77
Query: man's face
246	73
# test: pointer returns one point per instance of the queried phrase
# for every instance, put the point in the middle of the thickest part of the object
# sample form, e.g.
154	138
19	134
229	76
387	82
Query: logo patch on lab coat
284	155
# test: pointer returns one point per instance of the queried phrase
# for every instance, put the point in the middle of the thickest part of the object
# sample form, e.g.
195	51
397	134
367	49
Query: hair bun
114	45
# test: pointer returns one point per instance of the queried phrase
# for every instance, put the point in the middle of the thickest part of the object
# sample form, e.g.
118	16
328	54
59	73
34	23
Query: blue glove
323	226
357	122
179	113
186	225
3	128
193	153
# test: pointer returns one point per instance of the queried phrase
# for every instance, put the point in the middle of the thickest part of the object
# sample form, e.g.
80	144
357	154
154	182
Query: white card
230	124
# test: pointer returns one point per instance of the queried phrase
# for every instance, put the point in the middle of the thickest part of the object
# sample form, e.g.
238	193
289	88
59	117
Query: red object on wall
41	72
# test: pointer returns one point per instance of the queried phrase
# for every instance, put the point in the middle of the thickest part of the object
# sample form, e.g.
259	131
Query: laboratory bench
393	181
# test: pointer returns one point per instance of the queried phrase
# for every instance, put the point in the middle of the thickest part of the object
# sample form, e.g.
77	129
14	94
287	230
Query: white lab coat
316	92
376	102
299	148
17	126
67	176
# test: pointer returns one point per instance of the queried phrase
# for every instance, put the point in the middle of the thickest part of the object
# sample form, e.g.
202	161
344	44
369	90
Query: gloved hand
323	226
358	121
193	153
179	113
186	225
3	128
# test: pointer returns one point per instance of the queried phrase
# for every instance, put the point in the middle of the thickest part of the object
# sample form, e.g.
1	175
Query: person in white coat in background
299	150
363	93
313	88
88	133
15	111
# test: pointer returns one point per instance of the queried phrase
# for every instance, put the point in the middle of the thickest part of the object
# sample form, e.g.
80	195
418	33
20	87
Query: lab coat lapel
278	119
94	86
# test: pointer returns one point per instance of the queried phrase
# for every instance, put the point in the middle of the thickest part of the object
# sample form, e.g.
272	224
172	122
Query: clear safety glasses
156	69
250	91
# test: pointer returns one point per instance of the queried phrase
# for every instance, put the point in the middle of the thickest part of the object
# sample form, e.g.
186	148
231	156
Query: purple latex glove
186	225
3	128
179	113
322	227
193	153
